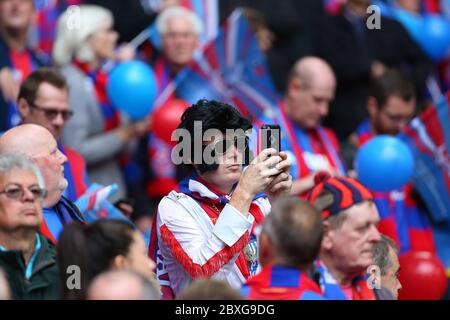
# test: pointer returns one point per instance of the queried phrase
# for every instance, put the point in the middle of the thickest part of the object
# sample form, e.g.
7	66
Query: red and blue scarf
75	172
99	78
22	64
281	283
317	141
400	217
333	291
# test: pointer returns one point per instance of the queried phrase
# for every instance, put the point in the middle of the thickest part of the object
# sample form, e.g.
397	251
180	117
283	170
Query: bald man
38	144
311	87
122	285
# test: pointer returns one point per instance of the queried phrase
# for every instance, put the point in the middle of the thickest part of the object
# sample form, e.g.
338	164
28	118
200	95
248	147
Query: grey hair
9	162
295	229
381	256
177	11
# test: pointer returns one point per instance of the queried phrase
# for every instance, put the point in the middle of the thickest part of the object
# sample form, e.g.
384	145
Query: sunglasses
51	113
222	146
17	193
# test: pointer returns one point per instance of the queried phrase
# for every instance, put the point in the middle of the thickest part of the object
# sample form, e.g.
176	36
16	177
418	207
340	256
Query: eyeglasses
17	192
51	113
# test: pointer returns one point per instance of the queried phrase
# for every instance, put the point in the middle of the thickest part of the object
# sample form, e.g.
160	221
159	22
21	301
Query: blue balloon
132	88
436	36
384	163
412	23
385	9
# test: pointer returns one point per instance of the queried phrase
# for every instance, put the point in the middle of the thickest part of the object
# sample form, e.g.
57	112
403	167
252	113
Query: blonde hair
74	27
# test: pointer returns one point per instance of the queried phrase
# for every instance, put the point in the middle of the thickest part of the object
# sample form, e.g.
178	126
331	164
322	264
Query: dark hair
381	257
91	247
30	86
392	82
213	115
296	230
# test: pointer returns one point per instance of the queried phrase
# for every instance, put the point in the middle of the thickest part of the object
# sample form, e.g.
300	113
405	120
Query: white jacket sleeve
201	252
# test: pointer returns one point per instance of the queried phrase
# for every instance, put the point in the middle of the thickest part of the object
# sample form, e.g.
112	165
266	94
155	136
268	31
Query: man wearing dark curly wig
205	226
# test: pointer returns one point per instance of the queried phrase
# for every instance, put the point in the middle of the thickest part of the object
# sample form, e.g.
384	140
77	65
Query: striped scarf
307	144
333	291
99	78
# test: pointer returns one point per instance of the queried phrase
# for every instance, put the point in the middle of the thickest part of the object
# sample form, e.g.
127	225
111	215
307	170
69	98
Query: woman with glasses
85	41
204	228
26	256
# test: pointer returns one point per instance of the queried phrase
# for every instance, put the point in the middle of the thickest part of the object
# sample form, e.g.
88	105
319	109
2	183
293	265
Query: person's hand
305	184
142	127
256	177
377	69
8	85
282	183
125	52
262	171
134	130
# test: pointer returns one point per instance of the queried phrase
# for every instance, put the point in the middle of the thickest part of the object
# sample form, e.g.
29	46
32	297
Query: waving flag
428	137
231	69
94	203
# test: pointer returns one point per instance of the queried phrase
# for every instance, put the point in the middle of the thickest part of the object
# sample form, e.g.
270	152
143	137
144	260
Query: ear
266	251
23	108
294	85
328	235
119	262
372	107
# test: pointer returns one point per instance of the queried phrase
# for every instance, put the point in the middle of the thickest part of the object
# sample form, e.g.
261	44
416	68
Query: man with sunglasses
39	145
391	105
204	228
44	100
26	256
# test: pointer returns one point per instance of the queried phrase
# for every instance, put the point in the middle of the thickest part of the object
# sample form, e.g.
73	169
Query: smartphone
271	137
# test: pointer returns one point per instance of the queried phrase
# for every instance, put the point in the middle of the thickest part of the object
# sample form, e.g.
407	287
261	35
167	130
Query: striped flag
428	137
94	203
230	69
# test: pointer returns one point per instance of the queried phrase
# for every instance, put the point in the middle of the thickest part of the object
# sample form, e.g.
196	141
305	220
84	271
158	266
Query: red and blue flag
230	69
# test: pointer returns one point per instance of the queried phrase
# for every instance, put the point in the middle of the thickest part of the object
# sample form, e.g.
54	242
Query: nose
152	264
323	108
62	157
233	153
59	120
28	195
374	234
